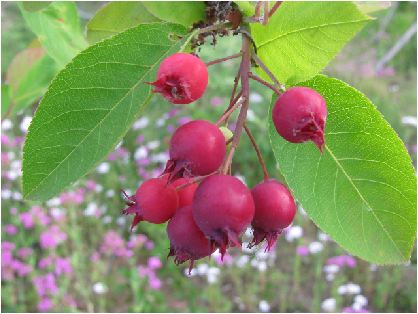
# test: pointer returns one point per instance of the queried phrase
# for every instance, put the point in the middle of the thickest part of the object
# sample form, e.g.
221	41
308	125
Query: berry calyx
187	241
154	201
181	78
222	208
299	115
186	193
196	148
275	209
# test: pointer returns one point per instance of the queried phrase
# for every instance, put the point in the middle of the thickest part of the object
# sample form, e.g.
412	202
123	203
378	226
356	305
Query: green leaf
301	38
246	8
182	12
58	29
33	6
116	17
362	189
5	98
29	75
91	104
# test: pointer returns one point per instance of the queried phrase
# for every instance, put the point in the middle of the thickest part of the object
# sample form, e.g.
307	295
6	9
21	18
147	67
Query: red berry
299	115
196	148
187	241
275	209
185	194
154	201
181	78
222	208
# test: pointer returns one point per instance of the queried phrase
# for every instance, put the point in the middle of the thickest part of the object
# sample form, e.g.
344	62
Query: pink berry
196	148
275	209
222	208
181	78
299	115
185	194
187	241
154	201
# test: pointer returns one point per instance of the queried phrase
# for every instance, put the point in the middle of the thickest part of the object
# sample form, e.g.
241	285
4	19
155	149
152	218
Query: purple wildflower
45	262
52	237
342	260
154	282
154	262
63	266
10	229
7	246
302	250
45	284
45	304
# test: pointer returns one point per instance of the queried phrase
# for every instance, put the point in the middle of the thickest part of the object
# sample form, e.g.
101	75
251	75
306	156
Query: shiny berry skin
275	209
299	115
187	241
155	201
181	78
197	148
185	194
222	208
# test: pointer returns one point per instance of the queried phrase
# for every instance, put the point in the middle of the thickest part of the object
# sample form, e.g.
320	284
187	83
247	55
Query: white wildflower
409	120
24	125
104	167
6	124
202	269
140	123
293	233
263	306
141	152
53	202
329	305
153	144
110	193
315	247
100	288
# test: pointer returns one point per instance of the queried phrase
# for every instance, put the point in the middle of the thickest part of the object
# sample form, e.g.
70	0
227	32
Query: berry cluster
205	207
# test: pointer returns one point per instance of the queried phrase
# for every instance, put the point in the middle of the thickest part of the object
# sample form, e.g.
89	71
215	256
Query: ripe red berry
275	209
299	115
187	241
185	194
181	78
222	208
154	201
196	148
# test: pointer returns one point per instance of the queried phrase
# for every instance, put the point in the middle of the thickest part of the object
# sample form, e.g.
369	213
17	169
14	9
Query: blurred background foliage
75	253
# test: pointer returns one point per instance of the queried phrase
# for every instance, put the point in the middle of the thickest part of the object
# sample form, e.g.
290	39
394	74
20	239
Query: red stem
228	113
244	70
237	55
275	7
195	180
267	71
266	13
258	9
260	80
257	150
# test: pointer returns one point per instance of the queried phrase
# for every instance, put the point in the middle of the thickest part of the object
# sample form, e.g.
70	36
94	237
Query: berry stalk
265	83
257	150
228	112
275	7
234	56
245	85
